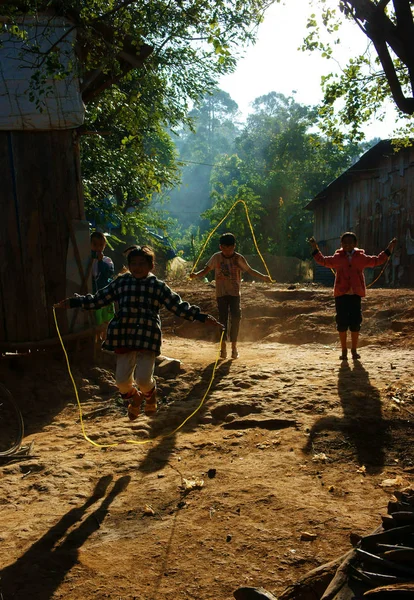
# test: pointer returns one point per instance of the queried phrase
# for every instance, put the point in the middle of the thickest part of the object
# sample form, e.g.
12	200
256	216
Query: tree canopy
142	66
276	162
368	80
210	133
189	41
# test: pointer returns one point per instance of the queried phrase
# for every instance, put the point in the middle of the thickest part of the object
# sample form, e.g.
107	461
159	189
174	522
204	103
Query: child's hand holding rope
65	303
313	243
62	304
212	322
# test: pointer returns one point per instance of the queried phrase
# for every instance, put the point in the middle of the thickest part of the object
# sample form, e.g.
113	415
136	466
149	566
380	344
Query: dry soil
289	441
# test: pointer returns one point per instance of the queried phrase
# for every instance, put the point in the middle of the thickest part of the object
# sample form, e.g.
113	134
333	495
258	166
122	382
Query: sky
274	63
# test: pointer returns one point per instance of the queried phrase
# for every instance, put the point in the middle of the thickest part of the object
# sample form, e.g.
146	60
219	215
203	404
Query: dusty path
289	441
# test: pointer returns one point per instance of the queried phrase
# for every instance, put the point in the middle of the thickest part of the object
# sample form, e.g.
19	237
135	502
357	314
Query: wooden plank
5	201
40	195
11	266
57	215
34	181
65	203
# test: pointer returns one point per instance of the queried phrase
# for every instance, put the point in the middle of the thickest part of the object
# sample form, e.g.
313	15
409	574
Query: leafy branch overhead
384	71
142	66
114	36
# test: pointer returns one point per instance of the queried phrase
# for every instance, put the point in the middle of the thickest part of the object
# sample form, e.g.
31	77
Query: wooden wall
376	203
40	195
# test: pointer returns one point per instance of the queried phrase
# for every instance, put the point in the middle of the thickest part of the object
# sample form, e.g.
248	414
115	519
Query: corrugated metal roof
368	161
31	98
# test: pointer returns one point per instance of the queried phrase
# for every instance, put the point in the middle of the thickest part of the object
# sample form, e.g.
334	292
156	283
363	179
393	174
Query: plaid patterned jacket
137	324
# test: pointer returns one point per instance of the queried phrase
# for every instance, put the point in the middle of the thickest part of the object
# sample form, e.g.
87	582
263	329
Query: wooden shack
374	199
44	237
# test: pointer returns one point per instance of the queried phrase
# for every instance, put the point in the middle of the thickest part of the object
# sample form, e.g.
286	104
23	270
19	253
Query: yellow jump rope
251	229
142	442
136	442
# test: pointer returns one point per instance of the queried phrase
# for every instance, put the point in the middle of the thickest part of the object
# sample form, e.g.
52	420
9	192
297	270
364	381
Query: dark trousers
348	312
229	306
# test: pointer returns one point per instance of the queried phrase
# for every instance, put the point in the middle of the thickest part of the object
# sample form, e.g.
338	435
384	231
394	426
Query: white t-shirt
228	273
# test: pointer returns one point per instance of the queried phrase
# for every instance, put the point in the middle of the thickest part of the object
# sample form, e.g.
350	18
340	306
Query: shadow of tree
38	573
362	423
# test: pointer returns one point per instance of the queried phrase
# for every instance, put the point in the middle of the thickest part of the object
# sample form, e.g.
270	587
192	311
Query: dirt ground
289	441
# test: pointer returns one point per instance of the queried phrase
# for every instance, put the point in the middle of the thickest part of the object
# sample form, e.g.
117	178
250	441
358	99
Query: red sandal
151	402
135	398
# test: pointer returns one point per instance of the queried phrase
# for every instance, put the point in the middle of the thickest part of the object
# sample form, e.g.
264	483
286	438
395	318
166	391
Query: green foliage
210	132
370	80
127	156
277	166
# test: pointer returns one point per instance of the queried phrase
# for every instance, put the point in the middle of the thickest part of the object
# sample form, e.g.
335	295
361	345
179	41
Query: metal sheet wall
377	204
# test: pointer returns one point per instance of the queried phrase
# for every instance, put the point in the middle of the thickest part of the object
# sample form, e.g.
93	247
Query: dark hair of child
146	251
98	235
227	239
349	234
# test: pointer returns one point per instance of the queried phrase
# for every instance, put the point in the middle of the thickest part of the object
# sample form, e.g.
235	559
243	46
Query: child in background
349	263
228	265
134	334
102	274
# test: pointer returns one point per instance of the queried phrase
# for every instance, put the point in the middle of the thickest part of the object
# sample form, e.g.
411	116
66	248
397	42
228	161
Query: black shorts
348	312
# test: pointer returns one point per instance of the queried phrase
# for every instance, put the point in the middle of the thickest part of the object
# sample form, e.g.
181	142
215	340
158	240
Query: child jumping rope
349	263
134	334
228	265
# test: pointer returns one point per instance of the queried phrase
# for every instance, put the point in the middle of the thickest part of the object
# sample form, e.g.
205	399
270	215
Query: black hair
350	234
98	235
227	239
145	251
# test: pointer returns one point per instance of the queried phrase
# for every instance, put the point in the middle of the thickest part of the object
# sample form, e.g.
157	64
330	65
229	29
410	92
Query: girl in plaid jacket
134	333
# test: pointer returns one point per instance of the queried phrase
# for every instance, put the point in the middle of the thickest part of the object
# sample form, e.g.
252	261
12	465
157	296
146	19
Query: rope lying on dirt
135	442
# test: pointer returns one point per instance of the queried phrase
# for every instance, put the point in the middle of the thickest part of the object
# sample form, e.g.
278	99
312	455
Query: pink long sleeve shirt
350	269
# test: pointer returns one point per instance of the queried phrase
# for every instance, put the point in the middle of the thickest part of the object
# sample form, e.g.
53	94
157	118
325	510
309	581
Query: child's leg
124	375
342	339
355	317
223	309
235	315
354	344
341	305
144	377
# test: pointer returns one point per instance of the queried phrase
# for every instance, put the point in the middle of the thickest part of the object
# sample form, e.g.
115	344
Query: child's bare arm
201	273
255	273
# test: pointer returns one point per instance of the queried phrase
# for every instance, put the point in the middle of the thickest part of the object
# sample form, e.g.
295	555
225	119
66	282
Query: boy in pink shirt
349	263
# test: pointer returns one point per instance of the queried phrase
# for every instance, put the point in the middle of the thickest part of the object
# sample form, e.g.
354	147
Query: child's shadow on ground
42	568
158	455
362	424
